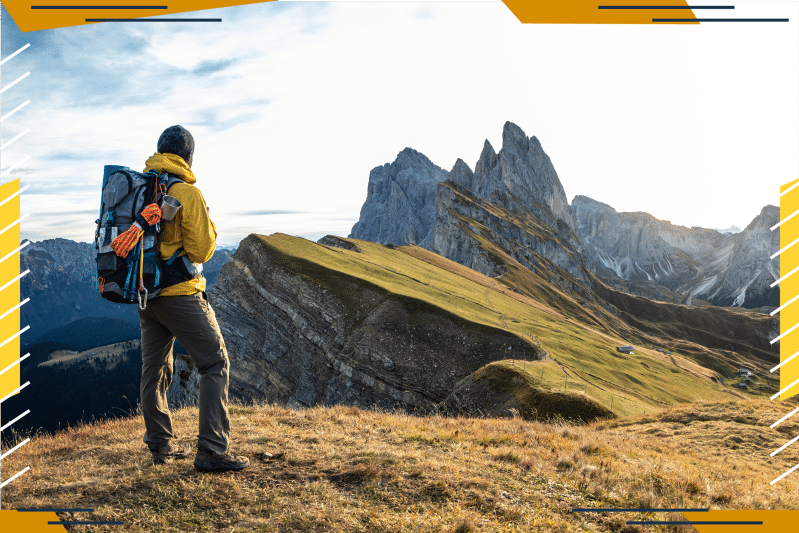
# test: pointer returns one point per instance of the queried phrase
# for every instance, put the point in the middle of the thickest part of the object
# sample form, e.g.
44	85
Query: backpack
142	273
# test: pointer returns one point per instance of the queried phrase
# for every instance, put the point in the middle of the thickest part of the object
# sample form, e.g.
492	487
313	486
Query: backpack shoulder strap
171	180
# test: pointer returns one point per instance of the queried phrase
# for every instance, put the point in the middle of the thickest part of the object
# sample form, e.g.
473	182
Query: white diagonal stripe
789	189
784	418
20	304
778	450
778	253
15	476
10	423
14	336
785	389
20	219
8	143
16	81
24	244
15	448
20	106
18	361
17	193
15	391
775	226
13	167
785	474
15	53
784	362
781	336
15	279
783	278
780	308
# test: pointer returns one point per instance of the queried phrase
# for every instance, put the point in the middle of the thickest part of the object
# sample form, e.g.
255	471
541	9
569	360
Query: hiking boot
208	461
166	453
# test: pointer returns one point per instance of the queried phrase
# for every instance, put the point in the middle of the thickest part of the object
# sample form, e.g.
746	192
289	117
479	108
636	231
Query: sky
292	104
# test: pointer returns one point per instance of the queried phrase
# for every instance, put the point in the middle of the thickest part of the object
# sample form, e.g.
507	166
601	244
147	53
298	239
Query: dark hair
177	140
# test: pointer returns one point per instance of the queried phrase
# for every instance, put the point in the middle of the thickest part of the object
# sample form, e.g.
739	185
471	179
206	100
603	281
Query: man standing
182	310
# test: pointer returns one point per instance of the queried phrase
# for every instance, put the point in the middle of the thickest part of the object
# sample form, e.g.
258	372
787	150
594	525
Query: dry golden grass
347	469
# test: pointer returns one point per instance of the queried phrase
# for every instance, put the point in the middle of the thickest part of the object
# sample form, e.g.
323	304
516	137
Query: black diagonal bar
666	7
85	523
99	7
614	510
720	20
55	510
153	20
694	522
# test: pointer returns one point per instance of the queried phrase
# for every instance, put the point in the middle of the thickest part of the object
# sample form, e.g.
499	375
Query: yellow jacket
191	228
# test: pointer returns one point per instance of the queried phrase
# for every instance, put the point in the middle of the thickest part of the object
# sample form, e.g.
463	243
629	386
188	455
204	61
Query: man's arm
199	231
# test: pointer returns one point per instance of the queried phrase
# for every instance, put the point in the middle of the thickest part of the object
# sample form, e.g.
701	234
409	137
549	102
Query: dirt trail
502	316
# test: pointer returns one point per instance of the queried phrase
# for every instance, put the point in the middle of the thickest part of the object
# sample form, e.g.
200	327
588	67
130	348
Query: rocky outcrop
300	335
724	269
184	391
400	206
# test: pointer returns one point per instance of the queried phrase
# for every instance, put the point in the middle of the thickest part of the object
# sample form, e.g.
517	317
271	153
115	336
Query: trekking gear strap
141	280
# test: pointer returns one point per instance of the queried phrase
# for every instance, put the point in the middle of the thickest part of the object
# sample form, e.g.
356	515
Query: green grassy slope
586	355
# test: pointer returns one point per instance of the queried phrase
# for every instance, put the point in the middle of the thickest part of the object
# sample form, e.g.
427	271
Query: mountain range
517	196
447	273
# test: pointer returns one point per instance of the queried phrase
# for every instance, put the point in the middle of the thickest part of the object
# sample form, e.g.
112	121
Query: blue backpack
142	274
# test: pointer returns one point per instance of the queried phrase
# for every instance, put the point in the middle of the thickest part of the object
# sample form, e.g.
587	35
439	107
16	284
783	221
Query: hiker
182	310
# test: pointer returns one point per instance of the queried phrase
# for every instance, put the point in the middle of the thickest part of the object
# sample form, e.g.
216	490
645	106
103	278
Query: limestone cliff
301	335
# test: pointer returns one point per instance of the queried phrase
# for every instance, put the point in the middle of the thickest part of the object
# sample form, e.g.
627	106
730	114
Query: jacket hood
174	164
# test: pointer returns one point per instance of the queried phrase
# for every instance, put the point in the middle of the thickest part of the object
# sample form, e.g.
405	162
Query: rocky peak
768	216
589	203
462	174
522	179
488	159
400	202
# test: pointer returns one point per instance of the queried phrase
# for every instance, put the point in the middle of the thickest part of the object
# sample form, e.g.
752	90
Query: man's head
177	140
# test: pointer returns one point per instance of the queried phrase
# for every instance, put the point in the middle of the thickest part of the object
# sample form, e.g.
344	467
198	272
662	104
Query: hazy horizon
292	104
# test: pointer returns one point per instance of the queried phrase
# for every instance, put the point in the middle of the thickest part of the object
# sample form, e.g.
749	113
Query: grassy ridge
630	383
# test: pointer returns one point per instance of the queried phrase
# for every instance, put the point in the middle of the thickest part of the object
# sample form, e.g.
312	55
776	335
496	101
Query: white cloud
292	104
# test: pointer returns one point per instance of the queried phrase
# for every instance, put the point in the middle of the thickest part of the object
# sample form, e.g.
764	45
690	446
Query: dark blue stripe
55	510
687	523
720	20
153	20
666	7
85	523
99	7
613	510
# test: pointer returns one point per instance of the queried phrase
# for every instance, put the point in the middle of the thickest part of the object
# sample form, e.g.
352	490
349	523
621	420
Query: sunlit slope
586	355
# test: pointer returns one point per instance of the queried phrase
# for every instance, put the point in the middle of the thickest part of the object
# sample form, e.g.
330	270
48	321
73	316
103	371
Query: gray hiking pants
193	322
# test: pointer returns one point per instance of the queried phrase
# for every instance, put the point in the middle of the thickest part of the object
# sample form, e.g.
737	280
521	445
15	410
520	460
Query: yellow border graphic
29	15
9	297
29	19
789	287
15	521
588	11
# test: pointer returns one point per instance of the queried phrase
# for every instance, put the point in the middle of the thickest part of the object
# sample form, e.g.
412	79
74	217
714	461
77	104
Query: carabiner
142	307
